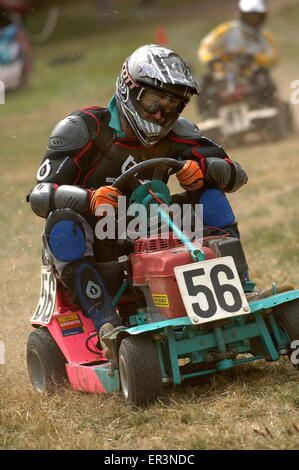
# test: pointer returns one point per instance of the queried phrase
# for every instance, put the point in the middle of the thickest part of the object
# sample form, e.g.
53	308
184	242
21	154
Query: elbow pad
228	176
40	199
44	198
239	177
71	197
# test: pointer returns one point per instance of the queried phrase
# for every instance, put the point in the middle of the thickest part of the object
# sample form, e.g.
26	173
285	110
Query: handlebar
122	181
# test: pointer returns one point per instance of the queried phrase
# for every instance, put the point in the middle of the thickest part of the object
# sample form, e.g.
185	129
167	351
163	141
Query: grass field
253	407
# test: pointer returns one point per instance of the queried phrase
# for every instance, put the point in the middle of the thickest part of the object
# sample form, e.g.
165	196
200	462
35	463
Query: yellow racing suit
236	37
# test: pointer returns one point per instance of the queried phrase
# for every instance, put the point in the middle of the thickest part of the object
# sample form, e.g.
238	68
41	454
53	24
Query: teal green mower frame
185	350
194	337
259	333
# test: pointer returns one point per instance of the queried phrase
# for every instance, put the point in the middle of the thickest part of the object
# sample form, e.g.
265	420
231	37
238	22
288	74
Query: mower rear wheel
139	370
45	361
276	128
288	320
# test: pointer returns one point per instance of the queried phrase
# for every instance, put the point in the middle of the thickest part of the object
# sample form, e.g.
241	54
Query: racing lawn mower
242	101
194	314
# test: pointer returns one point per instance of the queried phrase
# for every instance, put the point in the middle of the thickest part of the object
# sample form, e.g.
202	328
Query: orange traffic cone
161	36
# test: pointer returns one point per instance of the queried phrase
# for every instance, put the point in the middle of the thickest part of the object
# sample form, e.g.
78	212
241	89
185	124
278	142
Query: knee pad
88	290
65	234
217	211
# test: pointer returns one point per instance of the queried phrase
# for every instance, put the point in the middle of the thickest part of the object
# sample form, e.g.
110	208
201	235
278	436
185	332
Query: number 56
218	292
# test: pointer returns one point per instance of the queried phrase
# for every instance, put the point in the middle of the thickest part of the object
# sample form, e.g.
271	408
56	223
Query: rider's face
157	117
159	107
254	19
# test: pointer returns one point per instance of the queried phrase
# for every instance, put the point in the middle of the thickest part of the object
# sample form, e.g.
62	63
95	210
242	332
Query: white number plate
211	290
46	304
235	118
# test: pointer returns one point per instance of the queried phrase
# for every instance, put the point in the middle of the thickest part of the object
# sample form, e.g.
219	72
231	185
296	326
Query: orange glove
103	196
190	176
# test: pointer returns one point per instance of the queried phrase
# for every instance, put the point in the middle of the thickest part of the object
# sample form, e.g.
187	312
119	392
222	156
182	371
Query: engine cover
153	263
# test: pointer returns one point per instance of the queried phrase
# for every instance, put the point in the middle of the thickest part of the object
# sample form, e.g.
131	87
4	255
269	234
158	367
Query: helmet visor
151	101
254	19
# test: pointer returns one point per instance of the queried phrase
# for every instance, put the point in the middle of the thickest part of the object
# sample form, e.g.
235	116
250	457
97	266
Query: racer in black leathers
89	149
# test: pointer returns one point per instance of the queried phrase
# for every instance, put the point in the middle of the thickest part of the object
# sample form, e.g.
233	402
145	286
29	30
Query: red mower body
153	263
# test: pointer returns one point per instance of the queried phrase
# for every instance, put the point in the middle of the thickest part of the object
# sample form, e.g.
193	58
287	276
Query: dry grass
252	407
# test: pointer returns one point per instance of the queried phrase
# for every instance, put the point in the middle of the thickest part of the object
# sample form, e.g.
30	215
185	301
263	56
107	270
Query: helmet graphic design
156	68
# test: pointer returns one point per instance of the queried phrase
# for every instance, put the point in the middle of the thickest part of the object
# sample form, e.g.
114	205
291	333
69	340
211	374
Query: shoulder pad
69	134
187	129
224	27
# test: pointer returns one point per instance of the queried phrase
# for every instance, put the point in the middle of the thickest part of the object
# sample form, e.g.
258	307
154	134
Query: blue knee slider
65	235
217	211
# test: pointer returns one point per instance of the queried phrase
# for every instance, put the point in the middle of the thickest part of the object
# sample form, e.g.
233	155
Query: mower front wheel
139	370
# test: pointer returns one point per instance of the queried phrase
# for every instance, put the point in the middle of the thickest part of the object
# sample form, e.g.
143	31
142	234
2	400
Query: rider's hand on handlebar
190	176
103	196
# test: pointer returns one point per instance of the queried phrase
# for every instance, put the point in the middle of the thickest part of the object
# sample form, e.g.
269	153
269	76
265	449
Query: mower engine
155	258
153	263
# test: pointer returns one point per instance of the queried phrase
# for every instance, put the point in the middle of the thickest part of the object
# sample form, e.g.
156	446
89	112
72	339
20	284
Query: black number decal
51	298
194	290
43	297
47	300
220	290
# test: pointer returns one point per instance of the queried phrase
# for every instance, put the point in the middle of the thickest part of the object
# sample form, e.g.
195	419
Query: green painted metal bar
152	327
220	339
196	253
274	300
248	359
119	293
265	336
160	357
176	375
249	286
196	374
225	364
139	319
208	341
241	333
280	337
198	343
212	371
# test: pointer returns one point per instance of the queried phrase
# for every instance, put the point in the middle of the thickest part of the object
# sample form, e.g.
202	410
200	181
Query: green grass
252	407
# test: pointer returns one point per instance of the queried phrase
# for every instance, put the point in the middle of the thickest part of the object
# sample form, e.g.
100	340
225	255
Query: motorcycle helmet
253	12
153	79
